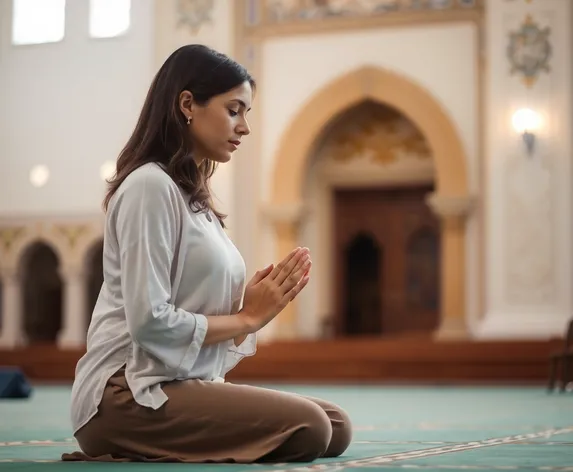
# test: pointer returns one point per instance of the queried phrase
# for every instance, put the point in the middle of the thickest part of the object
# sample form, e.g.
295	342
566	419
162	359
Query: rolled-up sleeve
147	222
237	353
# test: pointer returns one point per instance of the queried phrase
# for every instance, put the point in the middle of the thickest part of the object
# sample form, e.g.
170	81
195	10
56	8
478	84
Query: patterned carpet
428	429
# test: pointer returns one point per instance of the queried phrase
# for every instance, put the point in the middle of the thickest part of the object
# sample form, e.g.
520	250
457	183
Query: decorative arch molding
298	143
382	86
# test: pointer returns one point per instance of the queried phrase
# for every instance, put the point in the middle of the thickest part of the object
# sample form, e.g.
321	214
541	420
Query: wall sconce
526	121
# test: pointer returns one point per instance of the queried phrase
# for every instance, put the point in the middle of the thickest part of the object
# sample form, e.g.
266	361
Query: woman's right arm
146	221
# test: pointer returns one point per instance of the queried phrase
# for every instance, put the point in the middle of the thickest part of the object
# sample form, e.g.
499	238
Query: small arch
42	293
21	249
362	283
93	264
423	274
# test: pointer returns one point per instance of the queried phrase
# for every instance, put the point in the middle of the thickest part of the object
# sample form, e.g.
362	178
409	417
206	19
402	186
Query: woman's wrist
224	328
249	322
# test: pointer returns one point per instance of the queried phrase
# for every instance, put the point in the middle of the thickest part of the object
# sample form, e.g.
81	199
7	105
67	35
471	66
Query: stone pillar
13	334
73	333
528	203
452	212
285	220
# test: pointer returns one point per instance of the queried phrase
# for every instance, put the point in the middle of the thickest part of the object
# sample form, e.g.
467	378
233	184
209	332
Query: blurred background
420	148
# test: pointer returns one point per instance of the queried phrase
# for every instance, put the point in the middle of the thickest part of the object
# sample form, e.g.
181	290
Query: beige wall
214	27
91	90
514	249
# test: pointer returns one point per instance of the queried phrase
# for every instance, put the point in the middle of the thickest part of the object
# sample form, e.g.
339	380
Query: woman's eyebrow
240	102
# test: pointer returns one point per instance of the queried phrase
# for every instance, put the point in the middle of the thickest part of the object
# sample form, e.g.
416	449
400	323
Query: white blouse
165	270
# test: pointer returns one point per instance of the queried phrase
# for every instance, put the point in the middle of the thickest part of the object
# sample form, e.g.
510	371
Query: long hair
161	133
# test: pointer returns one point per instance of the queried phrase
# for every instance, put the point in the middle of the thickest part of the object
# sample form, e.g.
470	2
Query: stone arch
388	88
42	292
450	200
20	250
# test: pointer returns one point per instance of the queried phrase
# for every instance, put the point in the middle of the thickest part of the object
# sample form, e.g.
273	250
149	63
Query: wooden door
387	261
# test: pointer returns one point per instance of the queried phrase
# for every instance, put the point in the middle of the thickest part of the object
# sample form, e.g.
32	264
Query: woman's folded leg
206	422
341	427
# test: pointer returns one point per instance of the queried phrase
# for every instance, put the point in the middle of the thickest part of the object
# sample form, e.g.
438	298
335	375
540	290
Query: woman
174	314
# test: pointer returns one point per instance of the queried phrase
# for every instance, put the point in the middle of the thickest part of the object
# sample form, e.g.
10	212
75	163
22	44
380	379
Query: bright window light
38	21
109	18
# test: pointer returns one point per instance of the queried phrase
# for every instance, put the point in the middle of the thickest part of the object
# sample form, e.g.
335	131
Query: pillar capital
284	213
9	274
451	206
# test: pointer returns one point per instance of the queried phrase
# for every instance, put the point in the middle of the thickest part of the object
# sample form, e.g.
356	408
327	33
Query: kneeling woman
175	313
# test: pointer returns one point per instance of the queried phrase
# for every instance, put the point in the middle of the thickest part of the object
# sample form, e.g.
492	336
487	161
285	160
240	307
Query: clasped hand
272	288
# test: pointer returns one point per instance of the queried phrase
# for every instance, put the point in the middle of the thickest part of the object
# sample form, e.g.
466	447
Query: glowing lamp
525	122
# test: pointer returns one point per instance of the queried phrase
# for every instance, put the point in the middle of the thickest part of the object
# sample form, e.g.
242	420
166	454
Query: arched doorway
42	293
360	280
367	184
449	198
395	270
94	279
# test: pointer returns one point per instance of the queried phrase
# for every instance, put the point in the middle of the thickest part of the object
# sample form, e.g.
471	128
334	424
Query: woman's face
217	128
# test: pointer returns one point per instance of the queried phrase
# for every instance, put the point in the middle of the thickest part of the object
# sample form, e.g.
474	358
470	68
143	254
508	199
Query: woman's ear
186	104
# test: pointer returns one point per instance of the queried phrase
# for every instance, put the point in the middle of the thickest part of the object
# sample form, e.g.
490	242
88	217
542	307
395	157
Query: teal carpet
429	429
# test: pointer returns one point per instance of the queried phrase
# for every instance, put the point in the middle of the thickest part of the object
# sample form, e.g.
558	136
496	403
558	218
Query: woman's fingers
292	293
297	279
281	265
290	267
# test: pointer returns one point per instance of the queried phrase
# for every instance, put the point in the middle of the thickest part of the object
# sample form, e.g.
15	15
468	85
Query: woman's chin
221	157
225	157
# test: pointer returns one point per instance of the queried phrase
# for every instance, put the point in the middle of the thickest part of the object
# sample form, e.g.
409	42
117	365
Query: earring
188	120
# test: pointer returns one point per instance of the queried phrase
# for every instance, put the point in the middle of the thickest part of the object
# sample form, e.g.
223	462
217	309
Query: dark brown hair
161	134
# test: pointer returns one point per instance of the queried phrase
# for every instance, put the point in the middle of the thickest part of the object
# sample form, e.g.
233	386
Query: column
285	220
73	333
453	212
13	334
528	204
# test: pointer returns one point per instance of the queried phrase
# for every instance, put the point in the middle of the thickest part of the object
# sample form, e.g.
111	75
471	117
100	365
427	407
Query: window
38	21
109	18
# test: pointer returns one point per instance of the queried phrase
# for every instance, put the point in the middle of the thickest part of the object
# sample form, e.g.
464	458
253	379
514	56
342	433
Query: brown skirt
212	422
